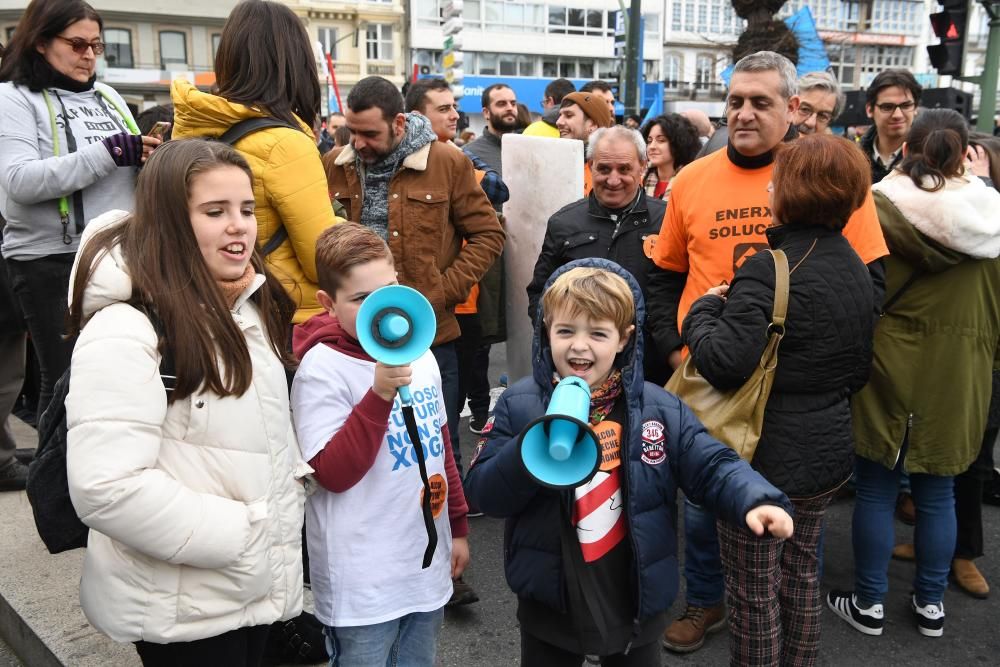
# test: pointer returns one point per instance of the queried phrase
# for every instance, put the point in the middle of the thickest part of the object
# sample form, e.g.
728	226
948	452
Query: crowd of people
197	273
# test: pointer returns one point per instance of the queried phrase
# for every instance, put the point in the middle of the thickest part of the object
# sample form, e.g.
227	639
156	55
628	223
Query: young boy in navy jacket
595	568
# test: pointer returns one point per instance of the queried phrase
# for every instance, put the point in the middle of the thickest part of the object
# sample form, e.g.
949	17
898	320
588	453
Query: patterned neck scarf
602	399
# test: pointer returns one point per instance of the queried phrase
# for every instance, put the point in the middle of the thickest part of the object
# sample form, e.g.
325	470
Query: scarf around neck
231	289
375	212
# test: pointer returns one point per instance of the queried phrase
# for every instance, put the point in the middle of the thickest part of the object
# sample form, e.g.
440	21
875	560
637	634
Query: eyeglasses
807	111
890	108
80	45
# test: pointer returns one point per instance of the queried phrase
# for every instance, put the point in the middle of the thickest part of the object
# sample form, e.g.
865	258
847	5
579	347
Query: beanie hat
594	106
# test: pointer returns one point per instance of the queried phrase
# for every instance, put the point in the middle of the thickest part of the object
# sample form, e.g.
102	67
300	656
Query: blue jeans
706	585
408	641
874	533
447	360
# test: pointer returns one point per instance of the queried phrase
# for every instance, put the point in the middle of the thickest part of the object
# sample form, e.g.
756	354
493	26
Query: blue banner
531	90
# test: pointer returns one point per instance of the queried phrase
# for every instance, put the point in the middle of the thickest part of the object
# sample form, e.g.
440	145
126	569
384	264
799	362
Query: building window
488	64
704	72
569	21
216	39
173	48
328	38
379	41
10	33
672	71
118	47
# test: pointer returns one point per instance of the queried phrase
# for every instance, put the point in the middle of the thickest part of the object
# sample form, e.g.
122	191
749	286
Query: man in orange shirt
716	218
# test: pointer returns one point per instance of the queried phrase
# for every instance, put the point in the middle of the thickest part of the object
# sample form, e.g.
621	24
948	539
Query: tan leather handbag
736	417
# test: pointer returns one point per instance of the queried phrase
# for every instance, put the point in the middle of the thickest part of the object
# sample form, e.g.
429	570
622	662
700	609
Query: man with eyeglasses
891	102
820	101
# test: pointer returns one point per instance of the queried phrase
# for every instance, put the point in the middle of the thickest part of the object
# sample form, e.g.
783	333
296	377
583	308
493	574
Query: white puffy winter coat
194	509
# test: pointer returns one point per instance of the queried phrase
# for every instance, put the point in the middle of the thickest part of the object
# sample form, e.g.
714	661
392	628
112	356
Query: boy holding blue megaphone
386	531
584	460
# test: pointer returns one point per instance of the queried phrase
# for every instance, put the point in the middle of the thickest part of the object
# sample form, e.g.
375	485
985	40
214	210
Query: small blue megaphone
560	450
396	325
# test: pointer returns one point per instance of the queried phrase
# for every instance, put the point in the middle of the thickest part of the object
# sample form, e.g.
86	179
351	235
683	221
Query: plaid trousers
772	590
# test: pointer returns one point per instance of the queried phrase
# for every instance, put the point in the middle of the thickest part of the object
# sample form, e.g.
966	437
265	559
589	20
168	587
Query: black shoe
930	617
13	476
865	620
477	423
463	593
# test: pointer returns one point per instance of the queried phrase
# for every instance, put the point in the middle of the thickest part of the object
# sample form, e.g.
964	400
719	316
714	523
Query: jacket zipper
906	435
626	495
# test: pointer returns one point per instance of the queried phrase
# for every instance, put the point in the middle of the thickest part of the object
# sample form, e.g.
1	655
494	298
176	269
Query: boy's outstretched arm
713	475
497	482
769	520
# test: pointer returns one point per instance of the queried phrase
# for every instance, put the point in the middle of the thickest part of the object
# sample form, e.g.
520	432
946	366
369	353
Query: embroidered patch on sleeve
654	451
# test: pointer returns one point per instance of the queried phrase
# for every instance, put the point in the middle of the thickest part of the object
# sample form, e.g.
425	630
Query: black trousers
969	500
41	286
537	653
237	648
473	366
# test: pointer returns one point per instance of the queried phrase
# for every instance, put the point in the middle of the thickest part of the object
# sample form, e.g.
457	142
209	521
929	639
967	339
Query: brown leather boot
687	633
904	551
969	579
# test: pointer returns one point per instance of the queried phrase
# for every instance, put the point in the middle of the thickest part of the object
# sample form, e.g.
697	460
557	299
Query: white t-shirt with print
366	545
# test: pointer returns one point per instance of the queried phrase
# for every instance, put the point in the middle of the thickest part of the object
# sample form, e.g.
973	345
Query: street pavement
486	633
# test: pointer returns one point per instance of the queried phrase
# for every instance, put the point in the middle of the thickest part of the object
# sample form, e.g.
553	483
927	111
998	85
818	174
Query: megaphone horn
560	450
396	325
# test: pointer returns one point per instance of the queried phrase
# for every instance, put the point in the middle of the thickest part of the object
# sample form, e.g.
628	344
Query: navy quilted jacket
707	471
806	446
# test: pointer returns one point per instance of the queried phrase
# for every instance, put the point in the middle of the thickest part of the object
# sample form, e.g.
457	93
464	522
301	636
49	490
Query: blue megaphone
560	450
396	325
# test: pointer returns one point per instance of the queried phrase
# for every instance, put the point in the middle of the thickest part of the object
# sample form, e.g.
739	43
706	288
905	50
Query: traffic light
951	26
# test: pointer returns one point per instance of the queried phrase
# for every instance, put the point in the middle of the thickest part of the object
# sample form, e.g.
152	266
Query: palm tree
764	32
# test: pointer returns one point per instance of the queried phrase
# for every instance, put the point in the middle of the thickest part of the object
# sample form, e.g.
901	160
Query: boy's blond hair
596	293
342	247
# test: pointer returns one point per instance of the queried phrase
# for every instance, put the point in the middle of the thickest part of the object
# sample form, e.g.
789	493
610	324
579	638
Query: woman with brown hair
805	448
69	149
924	410
181	455
265	68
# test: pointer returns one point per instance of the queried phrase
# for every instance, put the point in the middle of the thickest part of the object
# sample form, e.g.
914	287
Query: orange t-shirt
716	219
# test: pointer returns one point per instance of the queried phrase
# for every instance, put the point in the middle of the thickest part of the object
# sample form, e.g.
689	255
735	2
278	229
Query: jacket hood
325	329
962	216
630	358
198	114
110	281
551	116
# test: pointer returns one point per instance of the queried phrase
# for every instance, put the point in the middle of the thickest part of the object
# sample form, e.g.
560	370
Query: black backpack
48	487
237	132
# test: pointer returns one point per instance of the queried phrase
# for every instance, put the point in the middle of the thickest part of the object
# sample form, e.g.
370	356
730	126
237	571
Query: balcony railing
382	70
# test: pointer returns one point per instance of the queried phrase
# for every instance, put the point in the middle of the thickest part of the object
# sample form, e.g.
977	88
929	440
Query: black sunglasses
80	45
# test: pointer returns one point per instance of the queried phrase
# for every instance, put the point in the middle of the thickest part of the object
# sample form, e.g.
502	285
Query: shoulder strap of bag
891	301
237	132
780	288
251	125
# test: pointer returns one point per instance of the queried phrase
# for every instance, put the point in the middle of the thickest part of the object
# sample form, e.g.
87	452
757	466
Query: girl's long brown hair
170	277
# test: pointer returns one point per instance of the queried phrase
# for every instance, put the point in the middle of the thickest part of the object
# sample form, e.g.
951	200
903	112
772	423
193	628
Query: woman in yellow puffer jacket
264	67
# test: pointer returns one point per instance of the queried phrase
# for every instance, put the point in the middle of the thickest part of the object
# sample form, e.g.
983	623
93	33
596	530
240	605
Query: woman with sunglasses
68	152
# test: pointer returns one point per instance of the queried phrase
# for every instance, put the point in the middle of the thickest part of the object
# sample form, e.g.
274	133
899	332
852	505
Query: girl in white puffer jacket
193	501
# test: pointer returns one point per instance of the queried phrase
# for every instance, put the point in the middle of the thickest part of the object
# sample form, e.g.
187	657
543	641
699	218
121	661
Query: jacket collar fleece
630	358
416	160
961	216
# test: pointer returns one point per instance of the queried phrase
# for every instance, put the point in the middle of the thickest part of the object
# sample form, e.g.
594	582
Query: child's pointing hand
769	519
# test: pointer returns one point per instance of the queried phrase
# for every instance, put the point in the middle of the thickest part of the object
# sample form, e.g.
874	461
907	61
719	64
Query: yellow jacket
289	186
541	129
